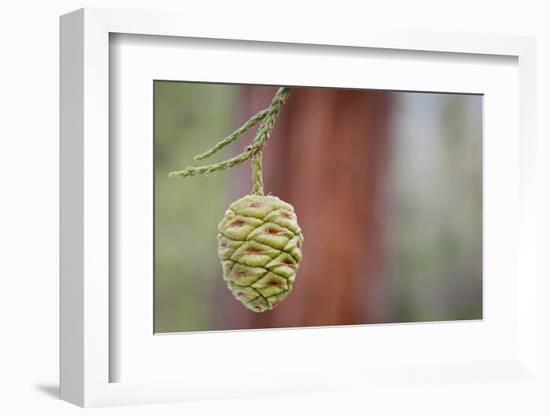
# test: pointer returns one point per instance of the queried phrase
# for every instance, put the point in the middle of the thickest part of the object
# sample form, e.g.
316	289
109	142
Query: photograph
281	207
231	208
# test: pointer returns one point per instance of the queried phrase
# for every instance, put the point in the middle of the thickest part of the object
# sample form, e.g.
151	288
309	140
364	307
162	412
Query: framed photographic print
267	214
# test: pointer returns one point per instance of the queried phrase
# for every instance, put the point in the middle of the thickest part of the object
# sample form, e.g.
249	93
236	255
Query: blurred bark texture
327	156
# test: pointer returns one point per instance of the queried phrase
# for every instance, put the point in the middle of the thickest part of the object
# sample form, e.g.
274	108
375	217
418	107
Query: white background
29	210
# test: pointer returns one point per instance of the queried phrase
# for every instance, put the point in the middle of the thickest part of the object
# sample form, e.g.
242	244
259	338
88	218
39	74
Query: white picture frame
87	329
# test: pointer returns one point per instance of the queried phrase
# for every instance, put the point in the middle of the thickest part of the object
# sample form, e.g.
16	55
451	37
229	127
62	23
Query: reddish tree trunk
327	156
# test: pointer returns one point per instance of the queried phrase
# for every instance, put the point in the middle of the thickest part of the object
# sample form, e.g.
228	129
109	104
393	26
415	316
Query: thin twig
226	164
267	118
255	119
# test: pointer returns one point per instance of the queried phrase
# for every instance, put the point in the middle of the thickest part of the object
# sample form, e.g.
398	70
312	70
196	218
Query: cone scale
260	249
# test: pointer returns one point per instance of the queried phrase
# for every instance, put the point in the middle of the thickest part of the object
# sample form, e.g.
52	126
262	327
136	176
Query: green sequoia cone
259	244
259	240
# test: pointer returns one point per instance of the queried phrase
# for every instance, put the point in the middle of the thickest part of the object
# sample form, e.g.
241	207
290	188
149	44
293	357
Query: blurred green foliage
189	118
436	223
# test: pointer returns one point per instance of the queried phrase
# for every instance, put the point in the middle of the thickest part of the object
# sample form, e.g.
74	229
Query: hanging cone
259	240
260	248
